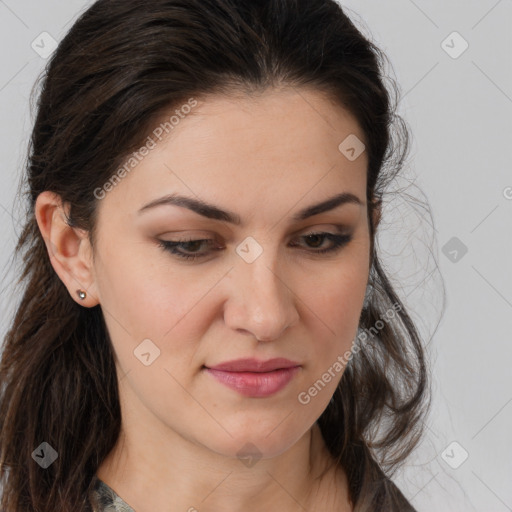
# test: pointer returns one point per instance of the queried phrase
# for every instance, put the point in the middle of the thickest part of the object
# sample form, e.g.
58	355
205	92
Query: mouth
253	378
254	365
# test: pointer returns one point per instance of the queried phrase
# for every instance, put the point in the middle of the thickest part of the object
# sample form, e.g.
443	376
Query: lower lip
255	385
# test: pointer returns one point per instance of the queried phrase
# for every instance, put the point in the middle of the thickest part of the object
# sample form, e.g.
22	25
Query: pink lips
254	378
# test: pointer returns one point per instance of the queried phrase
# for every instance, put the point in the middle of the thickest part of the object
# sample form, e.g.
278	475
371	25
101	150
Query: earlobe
68	248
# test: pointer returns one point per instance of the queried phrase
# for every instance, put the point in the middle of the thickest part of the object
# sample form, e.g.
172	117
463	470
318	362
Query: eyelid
214	239
346	228
341	229
175	247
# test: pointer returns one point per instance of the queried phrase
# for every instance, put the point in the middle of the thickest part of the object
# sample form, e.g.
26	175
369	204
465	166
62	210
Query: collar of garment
105	499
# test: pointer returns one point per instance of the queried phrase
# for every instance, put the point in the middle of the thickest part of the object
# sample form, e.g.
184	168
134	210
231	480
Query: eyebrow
214	212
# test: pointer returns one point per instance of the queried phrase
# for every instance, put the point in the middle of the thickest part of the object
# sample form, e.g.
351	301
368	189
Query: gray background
459	111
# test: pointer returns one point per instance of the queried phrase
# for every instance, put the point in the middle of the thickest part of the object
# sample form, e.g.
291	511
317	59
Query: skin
264	158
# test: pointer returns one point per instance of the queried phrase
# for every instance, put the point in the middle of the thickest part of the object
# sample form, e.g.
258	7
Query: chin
257	440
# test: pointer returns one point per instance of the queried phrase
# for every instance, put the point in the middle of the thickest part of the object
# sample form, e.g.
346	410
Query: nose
262	302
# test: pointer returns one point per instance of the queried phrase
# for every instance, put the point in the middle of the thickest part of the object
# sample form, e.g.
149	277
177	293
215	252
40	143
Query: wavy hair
122	65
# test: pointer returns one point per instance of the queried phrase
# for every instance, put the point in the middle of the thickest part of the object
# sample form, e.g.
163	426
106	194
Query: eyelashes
176	247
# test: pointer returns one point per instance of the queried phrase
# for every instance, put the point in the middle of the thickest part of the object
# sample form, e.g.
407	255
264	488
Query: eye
337	241
176	247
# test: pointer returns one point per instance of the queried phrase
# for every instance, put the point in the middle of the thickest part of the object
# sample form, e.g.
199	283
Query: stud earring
81	294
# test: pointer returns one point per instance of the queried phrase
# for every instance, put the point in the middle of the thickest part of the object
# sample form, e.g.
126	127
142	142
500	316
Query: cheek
142	301
332	310
336	295
333	302
144	291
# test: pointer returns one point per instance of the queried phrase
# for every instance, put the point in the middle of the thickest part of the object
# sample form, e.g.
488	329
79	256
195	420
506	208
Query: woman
205	323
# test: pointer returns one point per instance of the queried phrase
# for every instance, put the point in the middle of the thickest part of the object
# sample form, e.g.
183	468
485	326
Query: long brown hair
121	66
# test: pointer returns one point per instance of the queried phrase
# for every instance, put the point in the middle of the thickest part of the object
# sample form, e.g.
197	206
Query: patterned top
105	499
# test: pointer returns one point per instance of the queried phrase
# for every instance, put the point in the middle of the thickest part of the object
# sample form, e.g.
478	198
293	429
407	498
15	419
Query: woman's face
259	288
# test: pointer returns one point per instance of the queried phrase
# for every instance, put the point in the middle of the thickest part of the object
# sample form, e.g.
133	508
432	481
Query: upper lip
254	365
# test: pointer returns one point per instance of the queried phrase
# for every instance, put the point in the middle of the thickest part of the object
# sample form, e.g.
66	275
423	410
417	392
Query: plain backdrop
452	61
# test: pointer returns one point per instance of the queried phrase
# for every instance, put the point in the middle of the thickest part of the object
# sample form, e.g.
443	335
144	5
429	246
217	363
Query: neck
191	477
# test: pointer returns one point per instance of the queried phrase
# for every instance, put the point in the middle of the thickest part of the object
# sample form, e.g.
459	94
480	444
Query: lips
254	365
254	378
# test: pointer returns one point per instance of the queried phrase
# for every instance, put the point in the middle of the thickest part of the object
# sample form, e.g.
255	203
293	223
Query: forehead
250	151
282	125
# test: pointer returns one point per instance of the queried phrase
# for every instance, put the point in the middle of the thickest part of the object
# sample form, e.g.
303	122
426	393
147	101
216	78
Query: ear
377	212
69	248
376	216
